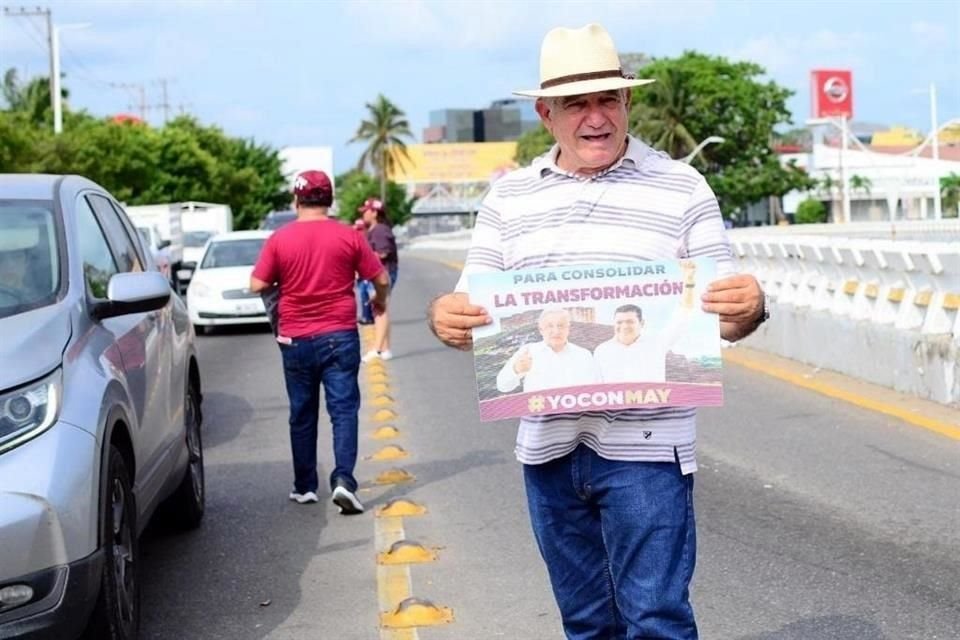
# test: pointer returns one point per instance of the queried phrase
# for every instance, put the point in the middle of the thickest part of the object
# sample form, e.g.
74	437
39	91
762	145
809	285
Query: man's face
591	129
555	329
626	326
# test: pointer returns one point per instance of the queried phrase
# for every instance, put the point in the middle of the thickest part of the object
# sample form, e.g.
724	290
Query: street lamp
55	54
709	140
844	190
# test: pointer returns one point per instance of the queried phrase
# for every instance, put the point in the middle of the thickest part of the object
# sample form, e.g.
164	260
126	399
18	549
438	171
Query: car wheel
186	506
116	615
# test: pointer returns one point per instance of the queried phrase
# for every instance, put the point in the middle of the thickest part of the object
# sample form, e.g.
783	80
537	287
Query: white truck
200	222
160	225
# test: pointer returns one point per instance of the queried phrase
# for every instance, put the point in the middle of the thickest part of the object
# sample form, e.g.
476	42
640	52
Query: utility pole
54	63
165	104
141	92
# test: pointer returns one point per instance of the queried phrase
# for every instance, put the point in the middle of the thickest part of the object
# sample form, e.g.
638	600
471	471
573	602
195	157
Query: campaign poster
596	338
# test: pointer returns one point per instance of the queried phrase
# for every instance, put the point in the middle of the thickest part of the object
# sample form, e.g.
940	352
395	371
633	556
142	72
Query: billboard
831	91
451	163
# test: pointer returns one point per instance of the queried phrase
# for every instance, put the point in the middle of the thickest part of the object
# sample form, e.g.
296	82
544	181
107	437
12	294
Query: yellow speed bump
382	401
401	507
376	366
390	452
377	378
386	432
384	415
379	388
394	476
406	552
416	612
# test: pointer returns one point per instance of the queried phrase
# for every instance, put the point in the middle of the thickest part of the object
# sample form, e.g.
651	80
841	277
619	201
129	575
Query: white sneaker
304	498
346	501
386	355
370	355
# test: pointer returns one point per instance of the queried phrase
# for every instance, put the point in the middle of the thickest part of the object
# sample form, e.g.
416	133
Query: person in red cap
314	263
381	239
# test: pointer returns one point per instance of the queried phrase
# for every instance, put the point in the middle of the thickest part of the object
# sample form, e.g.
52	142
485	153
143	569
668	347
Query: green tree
532	144
31	99
726	99
860	183
950	195
383	132
353	187
666	106
810	211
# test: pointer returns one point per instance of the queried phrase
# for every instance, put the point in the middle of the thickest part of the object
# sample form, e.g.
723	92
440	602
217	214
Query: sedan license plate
247	308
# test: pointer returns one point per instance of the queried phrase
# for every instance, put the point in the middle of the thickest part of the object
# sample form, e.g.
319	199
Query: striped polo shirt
645	207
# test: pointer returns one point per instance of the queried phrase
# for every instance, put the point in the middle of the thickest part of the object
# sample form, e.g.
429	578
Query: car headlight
200	290
30	410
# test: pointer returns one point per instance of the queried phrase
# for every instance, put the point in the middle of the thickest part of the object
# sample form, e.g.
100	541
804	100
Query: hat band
580	77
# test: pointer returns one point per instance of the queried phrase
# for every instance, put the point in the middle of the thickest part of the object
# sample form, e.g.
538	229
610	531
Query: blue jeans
364	291
333	360
619	542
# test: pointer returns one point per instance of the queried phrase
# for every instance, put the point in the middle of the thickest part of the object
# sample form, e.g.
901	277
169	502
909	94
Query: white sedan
219	292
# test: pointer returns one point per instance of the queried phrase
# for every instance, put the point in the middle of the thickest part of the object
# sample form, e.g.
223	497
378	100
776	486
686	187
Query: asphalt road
817	520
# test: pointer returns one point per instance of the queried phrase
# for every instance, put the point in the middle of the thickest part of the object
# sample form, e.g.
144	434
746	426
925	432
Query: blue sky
299	73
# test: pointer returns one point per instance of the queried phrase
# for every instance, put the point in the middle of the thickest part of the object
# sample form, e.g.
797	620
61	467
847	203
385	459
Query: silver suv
99	410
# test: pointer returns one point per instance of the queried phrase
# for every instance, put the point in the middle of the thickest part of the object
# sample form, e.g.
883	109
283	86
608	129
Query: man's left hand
738	300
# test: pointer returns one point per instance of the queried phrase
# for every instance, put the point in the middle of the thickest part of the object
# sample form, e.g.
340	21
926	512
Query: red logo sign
832	93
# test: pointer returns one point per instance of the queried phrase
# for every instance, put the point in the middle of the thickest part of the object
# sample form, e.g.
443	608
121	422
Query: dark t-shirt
382	240
315	264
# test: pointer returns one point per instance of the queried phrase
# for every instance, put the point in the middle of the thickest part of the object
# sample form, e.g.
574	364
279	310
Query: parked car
99	410
276	219
219	292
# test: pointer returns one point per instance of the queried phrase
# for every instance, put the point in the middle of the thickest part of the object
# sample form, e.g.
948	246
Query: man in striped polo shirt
610	493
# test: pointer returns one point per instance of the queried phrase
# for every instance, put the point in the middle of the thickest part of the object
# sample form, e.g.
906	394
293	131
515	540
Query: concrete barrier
879	310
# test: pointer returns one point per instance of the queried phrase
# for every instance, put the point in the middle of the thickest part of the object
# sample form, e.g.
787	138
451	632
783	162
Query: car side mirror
133	293
163	244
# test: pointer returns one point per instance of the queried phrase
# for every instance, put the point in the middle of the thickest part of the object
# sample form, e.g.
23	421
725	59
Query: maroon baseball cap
372	204
313	186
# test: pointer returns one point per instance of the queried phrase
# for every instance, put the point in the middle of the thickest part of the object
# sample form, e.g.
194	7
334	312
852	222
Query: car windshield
29	260
277	219
232	253
196	238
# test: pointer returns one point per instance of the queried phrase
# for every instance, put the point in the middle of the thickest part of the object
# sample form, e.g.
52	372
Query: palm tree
860	183
384	132
950	194
661	115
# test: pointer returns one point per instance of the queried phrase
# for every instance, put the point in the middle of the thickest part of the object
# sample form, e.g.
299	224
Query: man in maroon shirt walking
314	263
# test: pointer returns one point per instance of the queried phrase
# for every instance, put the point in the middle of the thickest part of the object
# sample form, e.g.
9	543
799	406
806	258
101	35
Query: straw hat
578	61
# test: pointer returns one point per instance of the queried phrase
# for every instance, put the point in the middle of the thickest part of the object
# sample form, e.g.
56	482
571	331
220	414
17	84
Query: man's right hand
452	319
378	307
524	362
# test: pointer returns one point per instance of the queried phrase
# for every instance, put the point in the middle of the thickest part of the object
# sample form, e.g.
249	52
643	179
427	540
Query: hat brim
584	86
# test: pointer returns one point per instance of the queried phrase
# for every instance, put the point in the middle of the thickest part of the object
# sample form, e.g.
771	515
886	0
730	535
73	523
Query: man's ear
543	110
